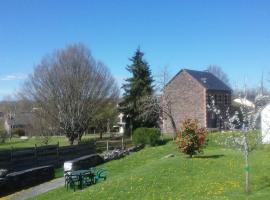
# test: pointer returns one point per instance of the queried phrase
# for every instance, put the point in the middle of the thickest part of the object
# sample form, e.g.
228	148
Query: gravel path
39	189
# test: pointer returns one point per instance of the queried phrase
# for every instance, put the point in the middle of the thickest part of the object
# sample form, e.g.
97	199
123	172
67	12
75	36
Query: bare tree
161	103
9	106
71	87
219	73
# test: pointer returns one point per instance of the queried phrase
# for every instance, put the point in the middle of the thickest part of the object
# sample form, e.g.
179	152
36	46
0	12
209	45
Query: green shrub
191	138
18	131
3	136
146	136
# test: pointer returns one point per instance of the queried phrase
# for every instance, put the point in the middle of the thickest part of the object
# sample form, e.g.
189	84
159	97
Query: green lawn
16	142
218	174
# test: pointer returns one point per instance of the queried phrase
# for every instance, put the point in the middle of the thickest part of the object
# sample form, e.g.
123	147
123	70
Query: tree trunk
174	127
71	141
247	168
80	137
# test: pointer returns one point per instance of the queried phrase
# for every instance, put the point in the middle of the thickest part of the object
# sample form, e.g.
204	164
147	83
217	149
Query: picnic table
79	177
84	177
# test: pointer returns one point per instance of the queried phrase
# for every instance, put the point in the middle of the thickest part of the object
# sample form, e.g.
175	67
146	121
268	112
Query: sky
176	34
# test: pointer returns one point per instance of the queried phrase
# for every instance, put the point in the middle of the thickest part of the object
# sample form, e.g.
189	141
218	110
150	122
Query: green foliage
18	131
136	88
191	138
108	114
3	136
146	136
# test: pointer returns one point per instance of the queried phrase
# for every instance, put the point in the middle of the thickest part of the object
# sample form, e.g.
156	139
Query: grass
218	174
58	173
16	142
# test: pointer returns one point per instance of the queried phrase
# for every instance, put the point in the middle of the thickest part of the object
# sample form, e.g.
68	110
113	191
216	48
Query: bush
18	131
146	136
3	136
191	138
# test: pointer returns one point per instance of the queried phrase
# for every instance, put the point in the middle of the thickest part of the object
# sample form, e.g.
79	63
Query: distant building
120	127
238	102
190	91
23	120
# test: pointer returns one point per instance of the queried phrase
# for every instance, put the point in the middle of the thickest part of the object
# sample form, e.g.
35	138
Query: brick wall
188	100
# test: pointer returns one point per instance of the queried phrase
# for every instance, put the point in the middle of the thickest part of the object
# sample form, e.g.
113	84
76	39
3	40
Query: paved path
39	189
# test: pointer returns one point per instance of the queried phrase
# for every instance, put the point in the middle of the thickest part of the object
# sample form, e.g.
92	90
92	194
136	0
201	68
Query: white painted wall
265	122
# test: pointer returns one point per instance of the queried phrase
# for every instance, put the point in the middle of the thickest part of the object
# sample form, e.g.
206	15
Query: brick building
190	91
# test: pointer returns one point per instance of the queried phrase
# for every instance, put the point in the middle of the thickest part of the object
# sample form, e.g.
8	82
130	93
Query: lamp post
130	125
131	128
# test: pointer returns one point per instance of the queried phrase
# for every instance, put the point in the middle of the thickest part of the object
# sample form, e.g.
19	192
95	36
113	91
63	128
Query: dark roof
22	119
206	79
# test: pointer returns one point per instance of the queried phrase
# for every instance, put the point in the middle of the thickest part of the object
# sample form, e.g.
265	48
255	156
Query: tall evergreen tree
136	88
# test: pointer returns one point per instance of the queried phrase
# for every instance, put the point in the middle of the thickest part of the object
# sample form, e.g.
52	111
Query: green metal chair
99	174
71	181
88	178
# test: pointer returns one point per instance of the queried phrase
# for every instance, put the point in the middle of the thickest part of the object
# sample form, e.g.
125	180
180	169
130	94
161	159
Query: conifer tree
136	88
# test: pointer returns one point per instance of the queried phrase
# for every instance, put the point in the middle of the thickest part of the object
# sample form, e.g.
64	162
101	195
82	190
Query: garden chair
88	178
99	174
71	181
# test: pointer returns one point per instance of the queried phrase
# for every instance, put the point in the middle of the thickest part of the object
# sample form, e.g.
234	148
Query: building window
219	99
209	100
226	99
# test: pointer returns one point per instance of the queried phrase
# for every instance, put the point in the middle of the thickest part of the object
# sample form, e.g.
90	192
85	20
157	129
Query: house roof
206	79
243	102
22	119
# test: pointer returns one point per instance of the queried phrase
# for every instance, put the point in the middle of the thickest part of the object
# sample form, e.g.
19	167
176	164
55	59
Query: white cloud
13	77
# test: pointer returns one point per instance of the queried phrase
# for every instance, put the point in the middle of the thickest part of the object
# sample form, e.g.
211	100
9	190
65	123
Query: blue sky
174	33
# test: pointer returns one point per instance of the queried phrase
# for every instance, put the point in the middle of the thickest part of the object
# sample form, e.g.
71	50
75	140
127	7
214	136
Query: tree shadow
209	156
164	141
264	182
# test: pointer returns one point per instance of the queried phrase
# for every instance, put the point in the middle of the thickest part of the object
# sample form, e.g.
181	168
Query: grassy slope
147	175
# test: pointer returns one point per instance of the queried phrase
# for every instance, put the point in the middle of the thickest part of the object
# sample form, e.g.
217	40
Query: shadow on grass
164	141
264	182
209	156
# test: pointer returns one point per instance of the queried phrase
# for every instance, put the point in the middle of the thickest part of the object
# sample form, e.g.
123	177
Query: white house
243	102
265	124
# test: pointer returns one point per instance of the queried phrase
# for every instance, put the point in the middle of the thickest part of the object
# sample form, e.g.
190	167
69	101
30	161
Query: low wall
16	181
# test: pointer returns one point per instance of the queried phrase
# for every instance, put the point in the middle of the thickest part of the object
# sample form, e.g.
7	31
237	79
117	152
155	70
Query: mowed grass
218	174
17	143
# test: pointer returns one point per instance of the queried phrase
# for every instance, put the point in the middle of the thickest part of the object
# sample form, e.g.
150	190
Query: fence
19	159
106	145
